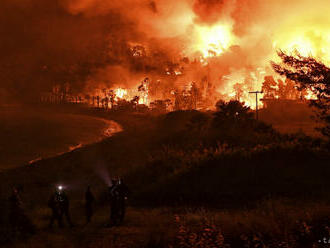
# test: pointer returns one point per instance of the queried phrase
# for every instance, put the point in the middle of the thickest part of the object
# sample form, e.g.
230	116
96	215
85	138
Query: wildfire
310	95
211	41
120	93
308	40
199	52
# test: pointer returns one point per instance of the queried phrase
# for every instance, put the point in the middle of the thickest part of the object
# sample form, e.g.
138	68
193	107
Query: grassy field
192	186
28	133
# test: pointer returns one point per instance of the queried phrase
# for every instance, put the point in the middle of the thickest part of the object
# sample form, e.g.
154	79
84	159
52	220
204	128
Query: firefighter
65	207
15	210
19	221
113	195
59	204
54	205
89	201
123	193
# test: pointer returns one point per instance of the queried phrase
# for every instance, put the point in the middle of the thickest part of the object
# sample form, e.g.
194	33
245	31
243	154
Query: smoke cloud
89	42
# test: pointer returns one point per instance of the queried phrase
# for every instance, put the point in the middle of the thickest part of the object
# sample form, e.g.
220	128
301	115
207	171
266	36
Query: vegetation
26	133
310	74
196	181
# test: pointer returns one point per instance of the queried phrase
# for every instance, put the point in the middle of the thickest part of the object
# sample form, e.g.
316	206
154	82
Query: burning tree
269	87
144	90
280	90
238	88
312	75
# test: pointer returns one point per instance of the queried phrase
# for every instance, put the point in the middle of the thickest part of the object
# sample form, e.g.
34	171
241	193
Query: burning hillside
200	51
190	52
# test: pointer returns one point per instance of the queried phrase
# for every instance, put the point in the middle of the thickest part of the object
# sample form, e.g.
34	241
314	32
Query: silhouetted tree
87	98
313	75
195	95
98	101
135	101
291	89
159	106
232	113
238	88
269	87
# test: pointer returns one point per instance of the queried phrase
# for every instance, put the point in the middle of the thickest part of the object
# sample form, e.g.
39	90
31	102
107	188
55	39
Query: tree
313	75
238	88
232	113
269	87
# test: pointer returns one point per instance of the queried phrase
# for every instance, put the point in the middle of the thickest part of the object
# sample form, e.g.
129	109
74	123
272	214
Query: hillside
268	184
30	133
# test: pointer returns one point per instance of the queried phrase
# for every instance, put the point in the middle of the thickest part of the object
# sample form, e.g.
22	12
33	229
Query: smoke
43	44
89	42
102	172
210	11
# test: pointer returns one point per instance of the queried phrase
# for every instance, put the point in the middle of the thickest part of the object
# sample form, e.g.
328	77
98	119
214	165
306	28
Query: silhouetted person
65	208
113	195
59	204
54	205
19	222
15	210
89	201
123	193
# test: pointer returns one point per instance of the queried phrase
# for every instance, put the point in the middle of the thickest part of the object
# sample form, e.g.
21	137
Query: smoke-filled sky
85	42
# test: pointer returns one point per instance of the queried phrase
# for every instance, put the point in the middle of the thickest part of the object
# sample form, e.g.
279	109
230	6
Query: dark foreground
29	133
192	186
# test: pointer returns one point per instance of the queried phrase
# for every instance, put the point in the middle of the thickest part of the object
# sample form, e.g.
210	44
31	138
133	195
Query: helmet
59	190
113	182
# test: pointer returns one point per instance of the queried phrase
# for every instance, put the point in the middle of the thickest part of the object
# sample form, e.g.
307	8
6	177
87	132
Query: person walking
19	221
60	205
113	199
65	207
89	201
123	193
54	205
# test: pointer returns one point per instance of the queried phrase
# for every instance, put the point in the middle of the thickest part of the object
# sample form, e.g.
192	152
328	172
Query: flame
308	39
310	95
238	72
120	93
212	41
143	101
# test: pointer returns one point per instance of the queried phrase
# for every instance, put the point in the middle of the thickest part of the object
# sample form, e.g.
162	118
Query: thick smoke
43	44
89	42
209	11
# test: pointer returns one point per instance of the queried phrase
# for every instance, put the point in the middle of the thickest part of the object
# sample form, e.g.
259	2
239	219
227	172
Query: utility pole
256	92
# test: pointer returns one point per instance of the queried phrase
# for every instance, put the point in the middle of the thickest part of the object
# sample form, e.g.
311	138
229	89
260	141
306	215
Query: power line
256	92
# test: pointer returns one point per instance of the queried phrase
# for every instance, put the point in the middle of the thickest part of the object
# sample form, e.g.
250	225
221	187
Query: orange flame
212	41
120	93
